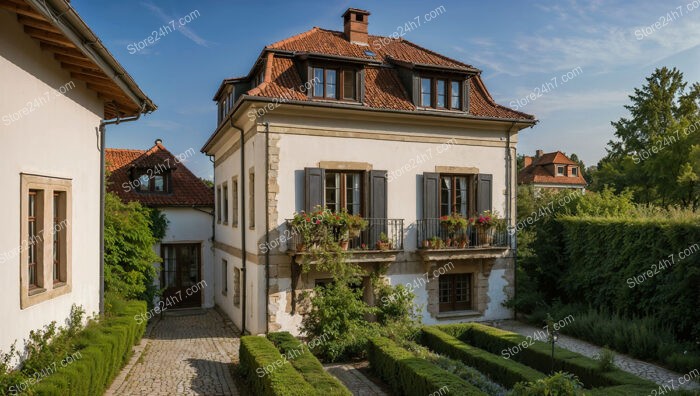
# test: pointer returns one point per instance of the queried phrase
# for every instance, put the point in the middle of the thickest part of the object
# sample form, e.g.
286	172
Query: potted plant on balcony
383	242
485	224
453	224
355	224
436	243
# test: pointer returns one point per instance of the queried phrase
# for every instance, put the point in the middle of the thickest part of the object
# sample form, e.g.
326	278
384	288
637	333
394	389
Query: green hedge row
307	365
633	267
504	371
538	355
268	372
104	349
411	376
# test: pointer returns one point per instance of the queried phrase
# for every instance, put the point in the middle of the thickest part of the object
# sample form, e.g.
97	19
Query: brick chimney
539	153
355	25
527	161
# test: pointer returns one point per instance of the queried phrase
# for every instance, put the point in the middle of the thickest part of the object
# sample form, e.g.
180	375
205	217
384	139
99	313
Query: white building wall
58	138
189	225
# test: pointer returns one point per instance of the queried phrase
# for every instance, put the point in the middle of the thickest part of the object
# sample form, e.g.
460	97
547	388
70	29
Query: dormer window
561	170
330	83
574	171
440	93
152	181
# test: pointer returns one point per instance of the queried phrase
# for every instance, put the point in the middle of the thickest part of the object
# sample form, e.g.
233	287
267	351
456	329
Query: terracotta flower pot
383	245
344	244
301	247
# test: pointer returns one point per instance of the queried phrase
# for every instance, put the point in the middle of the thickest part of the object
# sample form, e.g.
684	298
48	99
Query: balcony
363	248
435	242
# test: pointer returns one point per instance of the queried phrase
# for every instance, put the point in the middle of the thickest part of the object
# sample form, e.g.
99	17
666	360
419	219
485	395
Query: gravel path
639	368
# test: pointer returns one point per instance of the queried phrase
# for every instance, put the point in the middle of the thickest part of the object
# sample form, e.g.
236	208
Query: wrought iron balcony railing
433	235
367	240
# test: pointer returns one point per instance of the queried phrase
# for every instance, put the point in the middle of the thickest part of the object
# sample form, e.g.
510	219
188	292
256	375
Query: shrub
268	372
338	315
605	359
129	254
538	355
557	384
99	353
504	371
412	376
307	365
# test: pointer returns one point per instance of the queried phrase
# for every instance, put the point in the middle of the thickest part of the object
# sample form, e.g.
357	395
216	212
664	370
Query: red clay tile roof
540	173
383	89
187	189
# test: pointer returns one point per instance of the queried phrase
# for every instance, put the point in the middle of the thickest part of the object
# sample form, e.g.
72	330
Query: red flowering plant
454	222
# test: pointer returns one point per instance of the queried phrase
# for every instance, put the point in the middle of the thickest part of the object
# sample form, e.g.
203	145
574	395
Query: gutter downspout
267	228
244	255
103	192
509	211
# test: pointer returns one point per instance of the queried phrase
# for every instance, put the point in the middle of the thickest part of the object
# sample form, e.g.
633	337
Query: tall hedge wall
632	266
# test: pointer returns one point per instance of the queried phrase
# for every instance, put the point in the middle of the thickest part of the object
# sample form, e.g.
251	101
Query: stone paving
354	380
642	369
186	352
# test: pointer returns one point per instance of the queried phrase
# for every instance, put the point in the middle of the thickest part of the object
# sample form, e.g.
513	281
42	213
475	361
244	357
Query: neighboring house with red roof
61	87
159	179
376	126
552	171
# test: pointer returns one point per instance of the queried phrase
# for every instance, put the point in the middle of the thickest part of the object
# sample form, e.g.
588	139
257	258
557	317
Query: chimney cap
158	141
355	11
539	153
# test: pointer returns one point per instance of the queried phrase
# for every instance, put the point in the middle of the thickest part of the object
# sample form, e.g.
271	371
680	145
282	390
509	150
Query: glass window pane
352	194
143	183
456	102
349	84
441	93
158	182
333	191
445	196
445	289
331	81
462	196
318	82
426	92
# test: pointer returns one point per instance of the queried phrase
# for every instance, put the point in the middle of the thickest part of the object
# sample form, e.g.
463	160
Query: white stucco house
58	95
376	126
159	179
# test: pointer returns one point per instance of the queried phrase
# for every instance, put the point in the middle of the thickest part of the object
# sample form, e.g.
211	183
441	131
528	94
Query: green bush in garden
504	371
268	373
97	354
558	384
307	365
412	376
537	355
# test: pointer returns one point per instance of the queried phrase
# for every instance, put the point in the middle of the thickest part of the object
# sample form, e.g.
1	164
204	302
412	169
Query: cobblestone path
188	352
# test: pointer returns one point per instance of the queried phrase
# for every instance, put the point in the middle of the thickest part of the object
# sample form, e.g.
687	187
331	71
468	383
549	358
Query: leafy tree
582	167
129	255
656	150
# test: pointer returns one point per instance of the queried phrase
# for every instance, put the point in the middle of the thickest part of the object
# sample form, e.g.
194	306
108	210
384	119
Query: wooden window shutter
360	83
484	192
416	90
431	195
378	194
313	179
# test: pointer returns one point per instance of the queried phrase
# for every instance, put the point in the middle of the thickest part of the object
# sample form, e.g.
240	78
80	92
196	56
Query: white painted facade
301	138
58	138
192	226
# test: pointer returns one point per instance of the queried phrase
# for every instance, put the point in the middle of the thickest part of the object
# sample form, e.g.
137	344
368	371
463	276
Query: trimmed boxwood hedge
411	376
504	371
104	349
258	353
307	365
538	356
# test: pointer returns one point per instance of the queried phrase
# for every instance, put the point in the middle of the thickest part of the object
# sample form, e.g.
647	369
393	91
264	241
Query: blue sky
607	47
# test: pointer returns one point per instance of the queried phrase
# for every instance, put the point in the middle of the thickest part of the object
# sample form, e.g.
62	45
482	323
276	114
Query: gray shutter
378	194
484	192
416	89
360	85
314	178
431	195
465	95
